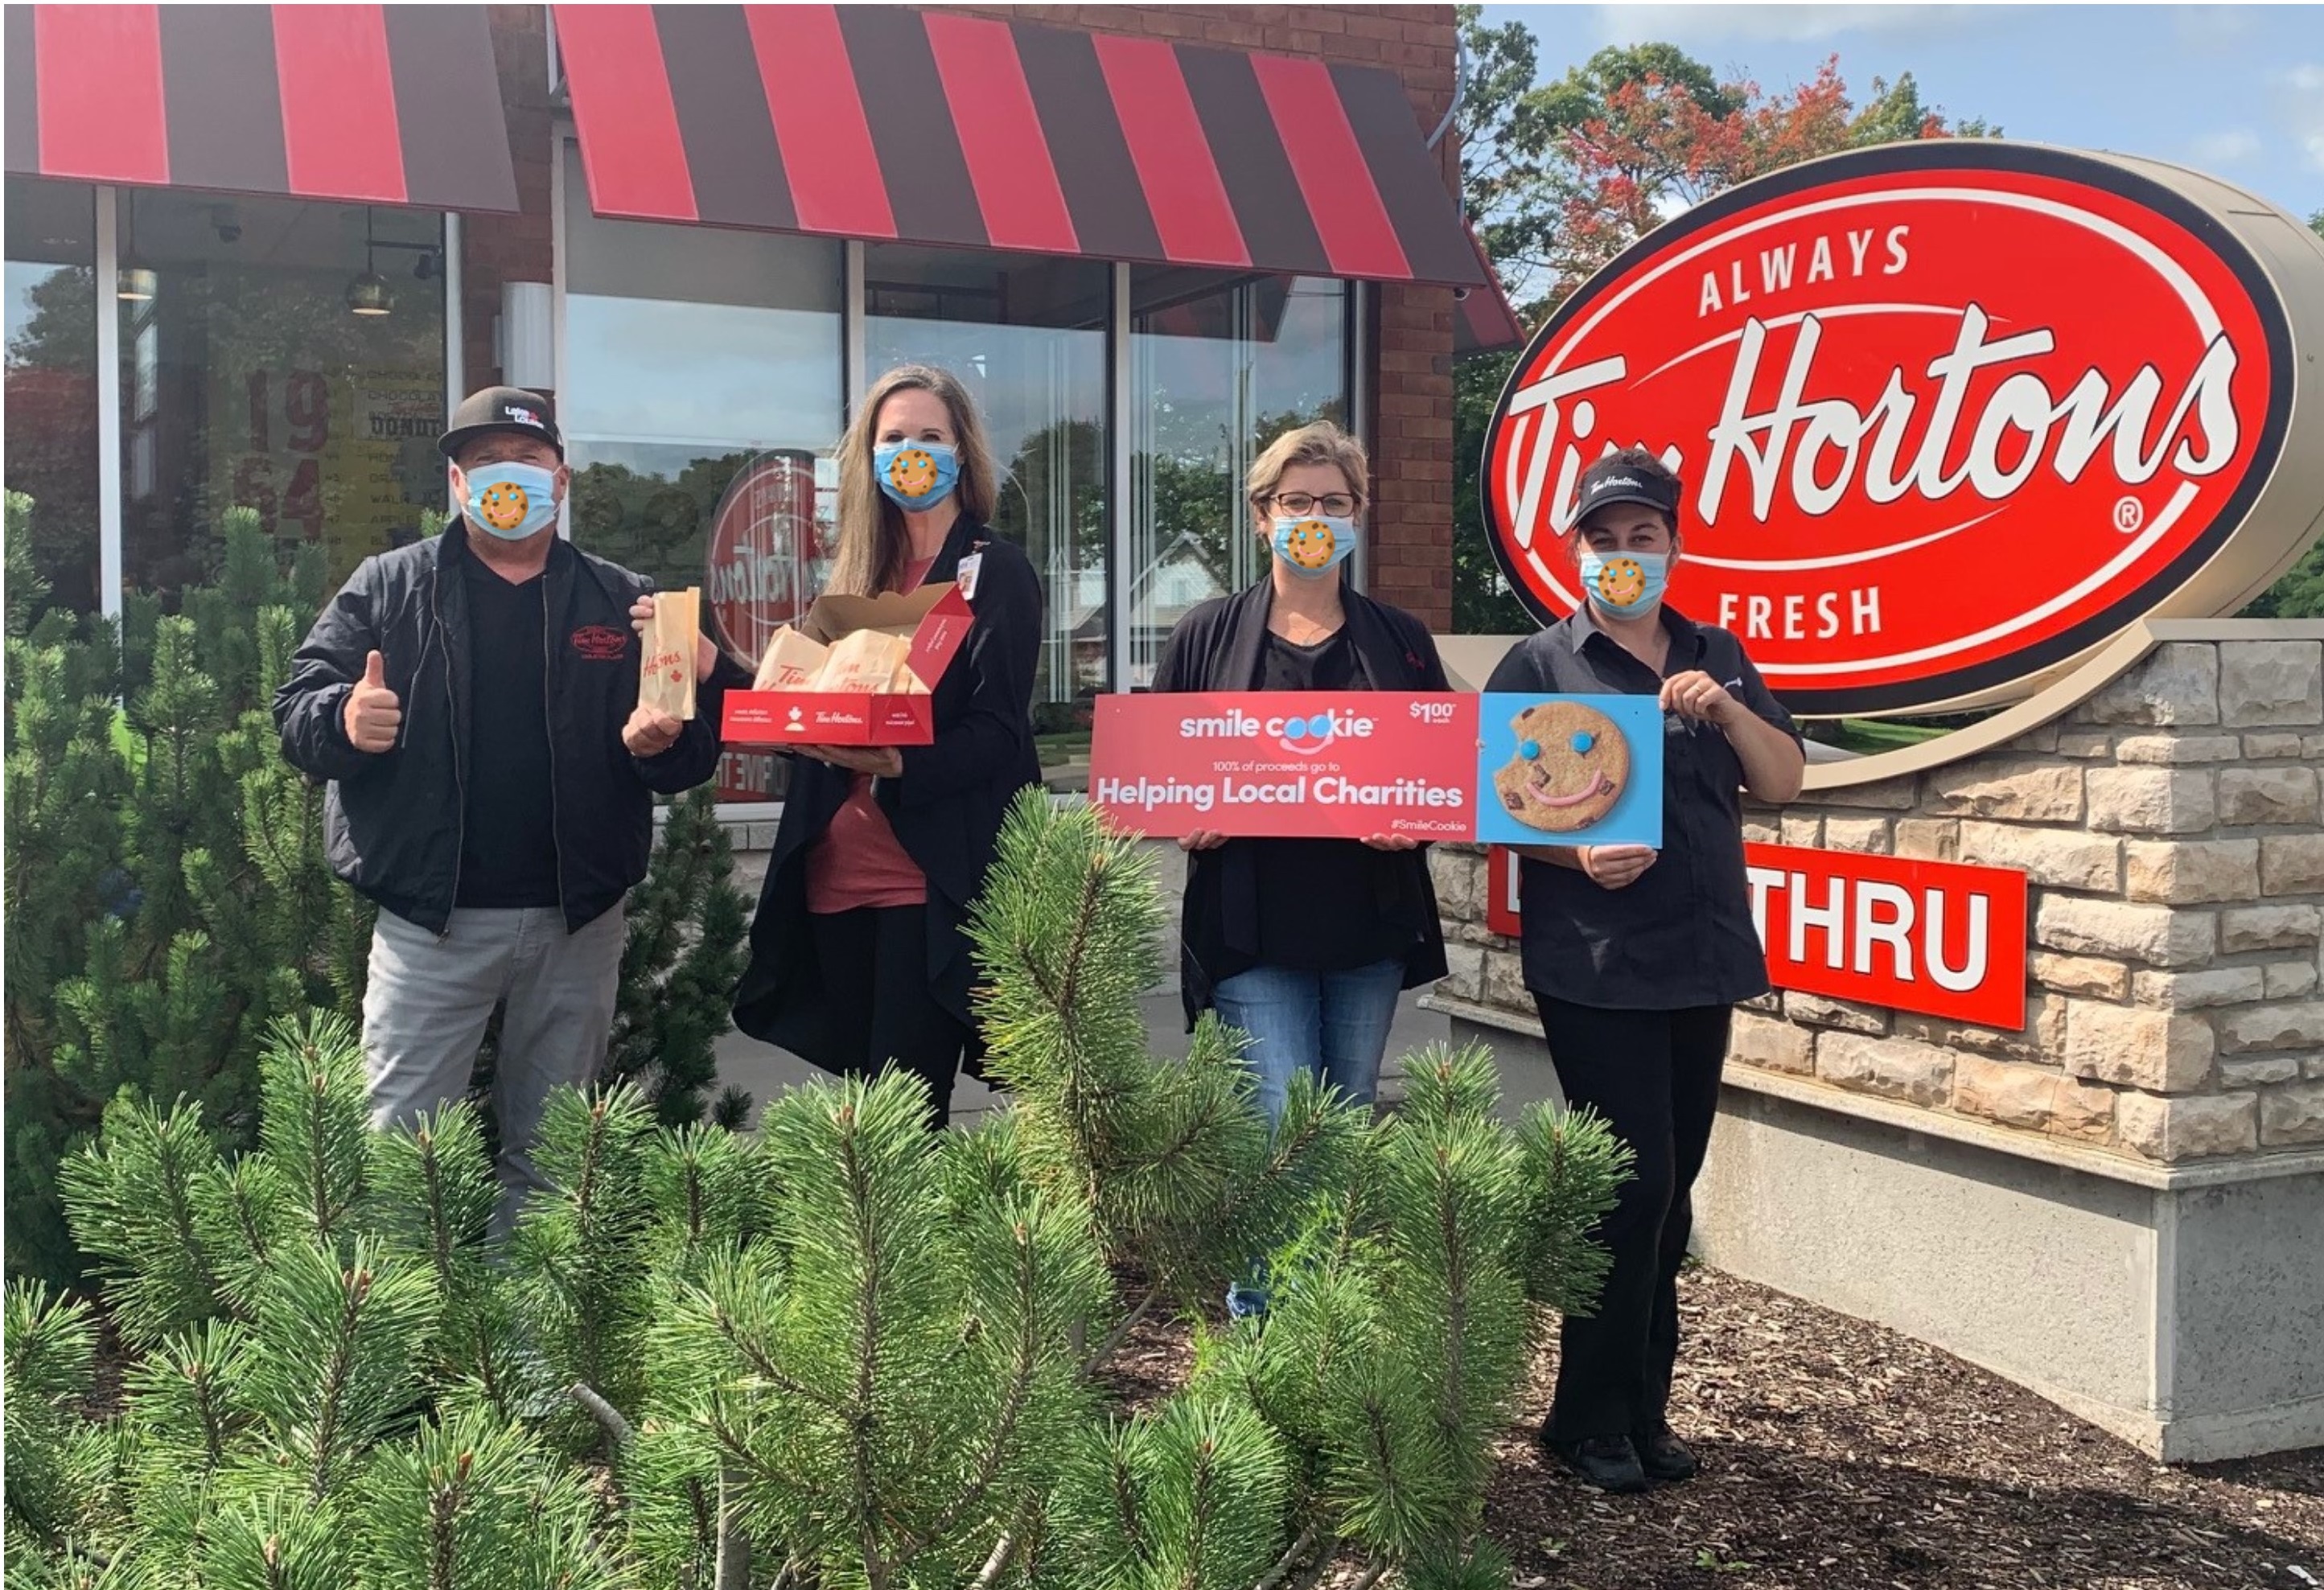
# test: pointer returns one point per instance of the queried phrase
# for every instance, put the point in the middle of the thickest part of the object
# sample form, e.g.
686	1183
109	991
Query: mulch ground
1840	1456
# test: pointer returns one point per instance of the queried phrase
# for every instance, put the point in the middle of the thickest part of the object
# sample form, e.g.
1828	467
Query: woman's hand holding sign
1696	694
1615	866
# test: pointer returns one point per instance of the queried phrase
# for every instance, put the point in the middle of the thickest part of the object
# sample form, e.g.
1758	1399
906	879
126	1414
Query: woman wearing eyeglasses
1304	944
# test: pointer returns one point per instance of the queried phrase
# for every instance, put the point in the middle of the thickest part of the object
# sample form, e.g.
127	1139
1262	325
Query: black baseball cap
1617	479
501	409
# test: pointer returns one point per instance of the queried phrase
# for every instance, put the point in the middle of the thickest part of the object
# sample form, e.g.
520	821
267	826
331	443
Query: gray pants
429	999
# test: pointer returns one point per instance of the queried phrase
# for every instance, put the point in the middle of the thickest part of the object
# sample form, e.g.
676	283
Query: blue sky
2235	90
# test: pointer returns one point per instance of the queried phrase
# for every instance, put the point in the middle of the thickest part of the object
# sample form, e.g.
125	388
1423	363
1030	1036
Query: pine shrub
841	1351
168	898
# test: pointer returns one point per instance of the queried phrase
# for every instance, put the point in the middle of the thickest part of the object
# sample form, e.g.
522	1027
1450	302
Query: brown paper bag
667	681
791	663
863	662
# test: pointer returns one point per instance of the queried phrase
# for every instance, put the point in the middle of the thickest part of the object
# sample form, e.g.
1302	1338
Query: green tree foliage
844	1352
167	892
683	957
1561	177
169	900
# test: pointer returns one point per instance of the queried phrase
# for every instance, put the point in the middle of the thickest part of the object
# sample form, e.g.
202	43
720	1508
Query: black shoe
1665	1457
1611	1463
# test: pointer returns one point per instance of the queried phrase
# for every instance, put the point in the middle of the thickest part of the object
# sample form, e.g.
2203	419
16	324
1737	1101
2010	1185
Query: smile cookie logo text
1303	736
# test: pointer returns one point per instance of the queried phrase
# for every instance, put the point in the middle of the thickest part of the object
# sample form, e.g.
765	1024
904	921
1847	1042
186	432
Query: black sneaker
1611	1463
1664	1457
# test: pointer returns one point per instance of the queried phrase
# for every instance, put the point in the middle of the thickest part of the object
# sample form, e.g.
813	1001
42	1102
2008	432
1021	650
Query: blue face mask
1314	546
916	475
513	502
1625	584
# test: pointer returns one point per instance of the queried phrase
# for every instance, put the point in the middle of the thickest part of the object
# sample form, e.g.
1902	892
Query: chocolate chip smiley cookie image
1572	766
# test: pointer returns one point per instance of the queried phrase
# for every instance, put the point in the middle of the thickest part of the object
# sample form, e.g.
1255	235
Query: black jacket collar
1686	636
1379	656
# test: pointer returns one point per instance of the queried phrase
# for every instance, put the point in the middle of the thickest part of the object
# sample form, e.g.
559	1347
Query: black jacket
946	809
1681	936
1222	645
392	821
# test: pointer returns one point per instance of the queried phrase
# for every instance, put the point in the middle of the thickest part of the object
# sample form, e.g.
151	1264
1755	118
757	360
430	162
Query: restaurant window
700	404
1027	335
1220	365
279	355
52	383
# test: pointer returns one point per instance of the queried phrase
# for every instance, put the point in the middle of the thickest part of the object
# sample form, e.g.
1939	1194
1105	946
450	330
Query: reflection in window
701	405
1026	335
1222	366
51	380
282	356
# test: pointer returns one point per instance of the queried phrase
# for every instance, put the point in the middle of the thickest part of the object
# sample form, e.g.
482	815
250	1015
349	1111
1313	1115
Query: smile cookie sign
1569	770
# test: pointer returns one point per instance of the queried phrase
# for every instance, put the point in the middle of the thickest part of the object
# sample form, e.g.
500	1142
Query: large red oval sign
763	553
1946	414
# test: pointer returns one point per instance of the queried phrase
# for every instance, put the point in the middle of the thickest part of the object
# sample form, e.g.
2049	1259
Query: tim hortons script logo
760	563
1946	414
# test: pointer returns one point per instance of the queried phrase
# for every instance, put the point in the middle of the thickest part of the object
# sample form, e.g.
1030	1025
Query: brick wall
495	248
1408	385
2172	830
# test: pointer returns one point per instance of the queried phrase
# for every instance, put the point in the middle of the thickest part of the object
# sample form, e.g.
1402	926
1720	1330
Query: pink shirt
859	863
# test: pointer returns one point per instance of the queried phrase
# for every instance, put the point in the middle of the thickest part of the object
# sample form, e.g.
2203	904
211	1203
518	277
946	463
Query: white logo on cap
1619	480
522	416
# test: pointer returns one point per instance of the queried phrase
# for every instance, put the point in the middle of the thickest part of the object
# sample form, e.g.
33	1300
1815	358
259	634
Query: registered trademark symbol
2129	513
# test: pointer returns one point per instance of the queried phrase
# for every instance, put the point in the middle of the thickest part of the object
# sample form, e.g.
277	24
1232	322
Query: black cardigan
1222	645
946	811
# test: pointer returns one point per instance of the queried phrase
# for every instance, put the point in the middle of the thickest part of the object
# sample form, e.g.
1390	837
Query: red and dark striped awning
1484	321
371	104
935	127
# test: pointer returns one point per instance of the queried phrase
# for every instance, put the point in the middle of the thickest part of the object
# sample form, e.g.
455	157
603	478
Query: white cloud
2298	100
2228	147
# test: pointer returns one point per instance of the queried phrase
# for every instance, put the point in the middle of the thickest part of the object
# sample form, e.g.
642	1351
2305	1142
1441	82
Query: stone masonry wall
2171	831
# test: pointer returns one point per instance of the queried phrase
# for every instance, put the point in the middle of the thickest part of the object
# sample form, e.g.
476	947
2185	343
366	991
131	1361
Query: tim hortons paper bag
904	682
667	681
791	663
863	661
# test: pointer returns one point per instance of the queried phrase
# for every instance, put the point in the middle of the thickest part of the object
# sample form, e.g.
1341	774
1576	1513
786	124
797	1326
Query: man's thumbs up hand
373	714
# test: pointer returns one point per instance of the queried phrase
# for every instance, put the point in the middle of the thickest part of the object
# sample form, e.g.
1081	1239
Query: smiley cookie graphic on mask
1621	581
502	505
913	472
1310	543
1572	766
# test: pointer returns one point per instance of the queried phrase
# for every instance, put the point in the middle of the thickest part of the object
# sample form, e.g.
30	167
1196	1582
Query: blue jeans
1332	1024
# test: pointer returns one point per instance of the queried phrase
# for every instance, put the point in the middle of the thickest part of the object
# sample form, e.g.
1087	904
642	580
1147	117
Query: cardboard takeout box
934	618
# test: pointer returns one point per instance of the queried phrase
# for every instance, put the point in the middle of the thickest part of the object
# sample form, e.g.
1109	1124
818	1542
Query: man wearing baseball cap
472	701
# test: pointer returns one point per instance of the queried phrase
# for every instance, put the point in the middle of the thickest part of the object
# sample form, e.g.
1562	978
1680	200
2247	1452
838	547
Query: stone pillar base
2174	1306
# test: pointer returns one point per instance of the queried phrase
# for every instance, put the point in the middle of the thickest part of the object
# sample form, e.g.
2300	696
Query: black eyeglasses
1338	505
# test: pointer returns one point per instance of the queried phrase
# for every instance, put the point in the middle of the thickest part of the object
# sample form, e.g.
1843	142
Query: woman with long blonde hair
859	955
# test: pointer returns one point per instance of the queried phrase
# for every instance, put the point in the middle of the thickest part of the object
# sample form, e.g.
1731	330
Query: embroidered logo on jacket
601	643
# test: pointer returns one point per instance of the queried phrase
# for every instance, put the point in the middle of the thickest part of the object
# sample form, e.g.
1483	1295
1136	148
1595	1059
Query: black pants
875	969
1654	1076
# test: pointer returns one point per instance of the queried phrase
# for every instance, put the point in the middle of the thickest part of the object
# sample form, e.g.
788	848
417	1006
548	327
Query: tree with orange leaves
1561	177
